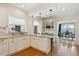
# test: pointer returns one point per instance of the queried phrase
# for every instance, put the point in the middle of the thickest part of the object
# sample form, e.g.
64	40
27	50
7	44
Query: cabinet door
34	42
3	47
42	44
12	45
27	42
20	43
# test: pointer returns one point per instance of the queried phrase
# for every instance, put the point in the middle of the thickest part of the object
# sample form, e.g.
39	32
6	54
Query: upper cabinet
16	24
41	43
48	26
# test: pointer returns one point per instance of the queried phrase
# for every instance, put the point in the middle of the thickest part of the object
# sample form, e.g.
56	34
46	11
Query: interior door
35	29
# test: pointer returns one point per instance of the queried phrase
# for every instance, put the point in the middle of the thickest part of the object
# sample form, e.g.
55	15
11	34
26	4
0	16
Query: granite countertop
11	36
43	36
35	35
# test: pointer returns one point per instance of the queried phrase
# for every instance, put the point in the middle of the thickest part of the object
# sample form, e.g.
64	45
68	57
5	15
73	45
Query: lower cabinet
20	44
12	45
3	47
27	42
43	44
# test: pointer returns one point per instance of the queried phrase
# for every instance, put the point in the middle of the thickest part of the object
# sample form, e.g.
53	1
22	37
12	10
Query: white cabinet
3	47
12	45
27	41
20	43
42	44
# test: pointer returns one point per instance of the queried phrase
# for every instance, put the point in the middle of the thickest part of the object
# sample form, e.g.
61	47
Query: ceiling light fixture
50	10
50	13
40	13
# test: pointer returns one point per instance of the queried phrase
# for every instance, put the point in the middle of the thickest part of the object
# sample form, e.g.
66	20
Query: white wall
77	30
40	28
30	25
3	18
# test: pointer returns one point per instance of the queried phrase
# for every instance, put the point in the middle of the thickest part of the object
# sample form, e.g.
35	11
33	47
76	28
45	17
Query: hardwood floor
65	49
30	52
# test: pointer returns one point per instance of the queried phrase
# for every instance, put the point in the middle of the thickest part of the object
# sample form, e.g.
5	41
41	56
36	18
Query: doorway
35	29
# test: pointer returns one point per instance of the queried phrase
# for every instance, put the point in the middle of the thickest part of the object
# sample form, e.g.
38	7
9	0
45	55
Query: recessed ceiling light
63	9
22	6
40	13
50	9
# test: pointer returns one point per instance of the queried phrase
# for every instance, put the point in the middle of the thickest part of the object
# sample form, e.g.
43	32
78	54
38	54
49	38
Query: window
66	28
16	24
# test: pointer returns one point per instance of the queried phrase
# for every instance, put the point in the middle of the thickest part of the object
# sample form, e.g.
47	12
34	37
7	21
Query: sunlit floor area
65	49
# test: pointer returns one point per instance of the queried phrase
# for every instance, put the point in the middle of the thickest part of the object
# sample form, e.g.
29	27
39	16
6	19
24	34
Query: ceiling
43	8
